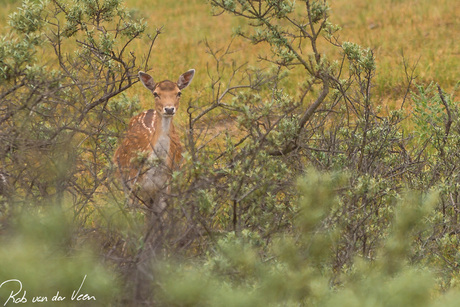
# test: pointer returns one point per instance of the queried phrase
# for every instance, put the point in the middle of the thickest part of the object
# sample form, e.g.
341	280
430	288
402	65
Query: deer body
151	148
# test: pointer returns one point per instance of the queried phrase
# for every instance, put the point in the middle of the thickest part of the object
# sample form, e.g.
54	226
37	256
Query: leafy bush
295	270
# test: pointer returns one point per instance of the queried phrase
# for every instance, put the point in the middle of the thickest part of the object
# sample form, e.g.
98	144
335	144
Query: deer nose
170	110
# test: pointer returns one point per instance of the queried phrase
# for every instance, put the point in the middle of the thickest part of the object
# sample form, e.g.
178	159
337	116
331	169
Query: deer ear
185	79
147	80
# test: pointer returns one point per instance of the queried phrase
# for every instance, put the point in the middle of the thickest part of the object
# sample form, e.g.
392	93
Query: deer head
166	93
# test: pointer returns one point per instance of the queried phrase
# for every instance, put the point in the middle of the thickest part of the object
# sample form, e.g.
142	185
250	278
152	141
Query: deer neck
162	139
165	123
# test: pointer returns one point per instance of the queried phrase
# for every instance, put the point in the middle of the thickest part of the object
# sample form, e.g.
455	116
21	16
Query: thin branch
410	78
449	115
303	120
151	46
311	110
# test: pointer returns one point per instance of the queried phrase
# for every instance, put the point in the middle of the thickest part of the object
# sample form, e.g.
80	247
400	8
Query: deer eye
156	95
179	94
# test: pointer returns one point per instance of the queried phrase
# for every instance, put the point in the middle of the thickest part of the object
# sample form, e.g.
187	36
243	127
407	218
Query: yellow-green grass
424	31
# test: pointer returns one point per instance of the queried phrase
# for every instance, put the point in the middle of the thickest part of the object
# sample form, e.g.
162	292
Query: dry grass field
425	32
416	33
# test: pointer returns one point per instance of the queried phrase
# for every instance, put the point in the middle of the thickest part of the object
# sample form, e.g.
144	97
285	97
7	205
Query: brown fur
140	138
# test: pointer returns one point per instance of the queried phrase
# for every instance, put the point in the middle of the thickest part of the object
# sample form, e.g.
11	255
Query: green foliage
437	120
431	114
40	254
17	55
291	270
27	19
360	59
58	113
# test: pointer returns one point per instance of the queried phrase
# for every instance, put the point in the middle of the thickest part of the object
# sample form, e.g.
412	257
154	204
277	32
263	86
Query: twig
410	78
449	115
151	46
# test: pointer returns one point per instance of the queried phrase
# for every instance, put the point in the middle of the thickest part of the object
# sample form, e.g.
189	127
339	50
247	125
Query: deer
151	149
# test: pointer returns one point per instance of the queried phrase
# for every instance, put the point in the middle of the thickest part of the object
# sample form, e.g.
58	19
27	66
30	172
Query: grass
186	25
426	32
